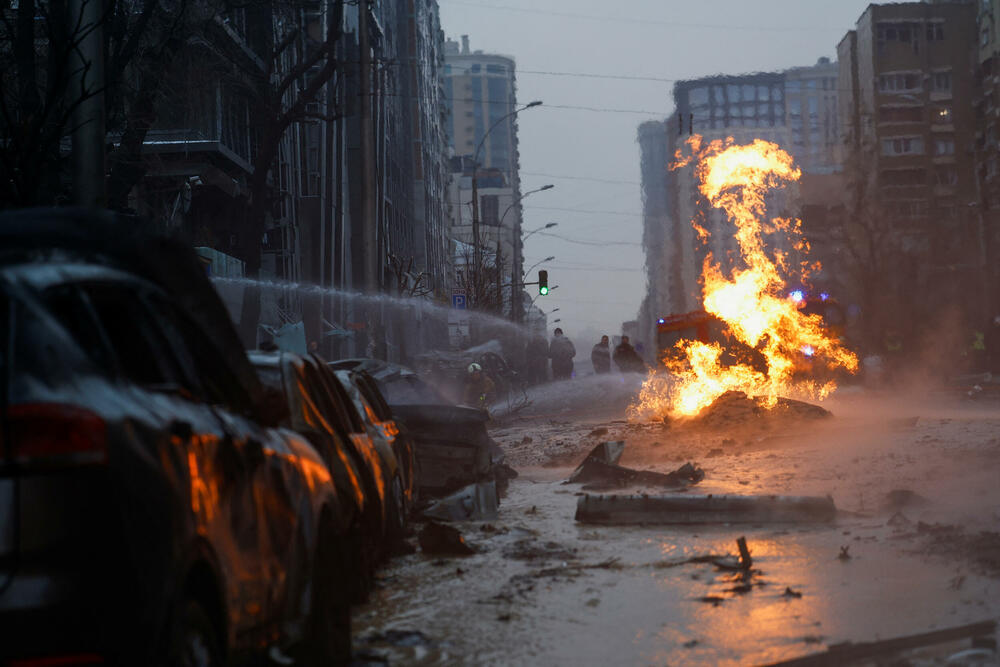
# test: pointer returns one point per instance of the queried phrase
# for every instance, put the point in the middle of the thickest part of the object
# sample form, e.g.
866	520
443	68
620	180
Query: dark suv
146	517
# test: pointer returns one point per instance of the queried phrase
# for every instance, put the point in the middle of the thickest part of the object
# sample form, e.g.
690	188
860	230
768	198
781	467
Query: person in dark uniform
600	356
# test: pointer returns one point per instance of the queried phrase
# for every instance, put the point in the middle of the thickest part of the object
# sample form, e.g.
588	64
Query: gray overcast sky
600	275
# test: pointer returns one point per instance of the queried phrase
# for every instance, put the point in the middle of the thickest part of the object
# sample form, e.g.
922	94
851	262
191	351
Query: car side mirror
272	409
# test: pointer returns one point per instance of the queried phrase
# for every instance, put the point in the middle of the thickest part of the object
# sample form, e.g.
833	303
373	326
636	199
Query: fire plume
752	301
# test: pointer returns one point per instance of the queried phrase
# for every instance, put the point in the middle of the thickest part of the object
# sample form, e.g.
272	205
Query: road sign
458	300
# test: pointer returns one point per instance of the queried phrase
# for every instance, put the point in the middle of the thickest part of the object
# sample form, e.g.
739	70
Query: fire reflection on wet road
644	608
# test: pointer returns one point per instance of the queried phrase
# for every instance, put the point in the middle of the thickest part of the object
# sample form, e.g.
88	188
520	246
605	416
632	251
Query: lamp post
547	259
476	255
535	231
515	245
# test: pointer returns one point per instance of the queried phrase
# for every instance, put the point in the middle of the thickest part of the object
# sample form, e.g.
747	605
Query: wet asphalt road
545	590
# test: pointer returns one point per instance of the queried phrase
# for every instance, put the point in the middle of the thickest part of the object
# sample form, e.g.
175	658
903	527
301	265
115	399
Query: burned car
320	409
146	515
395	446
453	448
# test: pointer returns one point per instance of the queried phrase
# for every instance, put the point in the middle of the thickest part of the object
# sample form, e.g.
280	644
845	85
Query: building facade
482	132
906	78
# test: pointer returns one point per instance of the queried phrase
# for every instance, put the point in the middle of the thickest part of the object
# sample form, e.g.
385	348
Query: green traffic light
543	290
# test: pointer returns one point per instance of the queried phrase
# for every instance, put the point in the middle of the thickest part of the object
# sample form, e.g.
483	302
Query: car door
278	497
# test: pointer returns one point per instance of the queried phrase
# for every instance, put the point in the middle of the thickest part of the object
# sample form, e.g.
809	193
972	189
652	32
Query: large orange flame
752	302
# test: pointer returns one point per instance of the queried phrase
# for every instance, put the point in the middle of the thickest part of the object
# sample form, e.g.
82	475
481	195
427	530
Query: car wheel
397	513
194	642
363	549
330	618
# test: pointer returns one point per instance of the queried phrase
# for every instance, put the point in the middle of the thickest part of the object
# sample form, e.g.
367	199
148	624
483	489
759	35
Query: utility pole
87	84
368	180
367	155
476	254
499	273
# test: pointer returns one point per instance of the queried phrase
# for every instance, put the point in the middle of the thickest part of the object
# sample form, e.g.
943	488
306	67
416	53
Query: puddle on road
490	608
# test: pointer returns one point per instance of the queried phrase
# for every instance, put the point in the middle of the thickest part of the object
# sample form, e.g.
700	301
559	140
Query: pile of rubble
736	409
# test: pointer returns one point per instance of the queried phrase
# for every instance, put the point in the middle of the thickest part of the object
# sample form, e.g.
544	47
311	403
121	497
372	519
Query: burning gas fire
753	302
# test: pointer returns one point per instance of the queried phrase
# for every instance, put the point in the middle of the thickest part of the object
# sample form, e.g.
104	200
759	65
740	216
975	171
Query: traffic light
543	282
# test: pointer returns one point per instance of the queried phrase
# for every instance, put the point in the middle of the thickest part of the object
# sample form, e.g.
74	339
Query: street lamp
516	244
518	201
535	231
475	186
547	259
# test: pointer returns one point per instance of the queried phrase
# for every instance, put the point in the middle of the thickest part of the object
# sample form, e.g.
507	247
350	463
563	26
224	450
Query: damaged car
394	445
151	512
452	446
320	409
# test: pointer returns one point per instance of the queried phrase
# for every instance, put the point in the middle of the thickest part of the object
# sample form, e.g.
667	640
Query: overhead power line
642	112
593	242
578	178
638	21
583	210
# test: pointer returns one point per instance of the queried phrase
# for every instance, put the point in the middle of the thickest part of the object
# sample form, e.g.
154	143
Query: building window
475	68
793	86
733	92
944	146
903	146
946	176
985	38
496	69
763	93
941	115
698	97
899	82
935	32
491	209
942	82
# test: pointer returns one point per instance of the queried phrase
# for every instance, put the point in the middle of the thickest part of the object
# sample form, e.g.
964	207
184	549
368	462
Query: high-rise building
905	83
988	140
811	108
482	131
795	108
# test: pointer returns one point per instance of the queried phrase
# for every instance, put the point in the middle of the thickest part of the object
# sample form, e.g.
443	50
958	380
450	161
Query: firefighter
479	388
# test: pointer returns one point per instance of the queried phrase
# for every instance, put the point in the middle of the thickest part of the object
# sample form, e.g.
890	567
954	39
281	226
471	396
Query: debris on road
745	561
476	502
843	555
735	408
848	652
600	470
899	499
438	538
645	509
789	593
